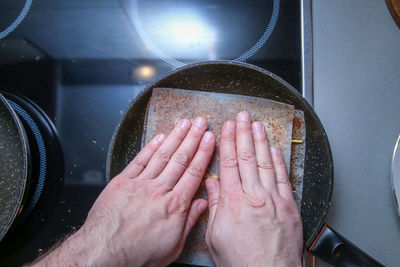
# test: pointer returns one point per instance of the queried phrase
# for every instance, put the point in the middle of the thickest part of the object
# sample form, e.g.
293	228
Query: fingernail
210	186
160	138
185	124
243	116
275	151
208	137
257	127
200	122
230	126
201	206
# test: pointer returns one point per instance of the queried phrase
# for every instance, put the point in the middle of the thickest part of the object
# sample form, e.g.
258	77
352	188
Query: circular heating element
37	147
195	31
46	171
18	20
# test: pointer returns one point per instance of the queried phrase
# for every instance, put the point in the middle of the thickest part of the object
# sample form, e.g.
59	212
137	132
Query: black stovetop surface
84	62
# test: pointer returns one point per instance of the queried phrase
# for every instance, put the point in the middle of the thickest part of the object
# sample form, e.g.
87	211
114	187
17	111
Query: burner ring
42	152
18	20
45	181
176	63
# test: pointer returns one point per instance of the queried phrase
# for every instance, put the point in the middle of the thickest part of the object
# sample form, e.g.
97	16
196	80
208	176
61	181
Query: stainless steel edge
307	51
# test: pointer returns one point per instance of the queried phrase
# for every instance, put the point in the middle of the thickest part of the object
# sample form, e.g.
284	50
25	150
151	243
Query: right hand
144	215
253	218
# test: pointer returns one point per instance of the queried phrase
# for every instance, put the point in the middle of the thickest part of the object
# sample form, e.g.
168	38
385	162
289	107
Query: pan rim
188	66
25	151
310	110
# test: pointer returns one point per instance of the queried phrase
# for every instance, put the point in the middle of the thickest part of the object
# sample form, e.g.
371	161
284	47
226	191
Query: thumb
212	187
196	209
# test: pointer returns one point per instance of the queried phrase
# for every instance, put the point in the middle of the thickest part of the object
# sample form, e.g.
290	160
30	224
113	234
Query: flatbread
168	106
298	156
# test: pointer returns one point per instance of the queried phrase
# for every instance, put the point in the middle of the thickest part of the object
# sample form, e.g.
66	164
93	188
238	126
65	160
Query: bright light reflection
190	31
144	73
178	33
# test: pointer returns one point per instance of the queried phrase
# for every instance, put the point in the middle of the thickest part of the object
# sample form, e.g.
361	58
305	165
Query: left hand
253	218
144	215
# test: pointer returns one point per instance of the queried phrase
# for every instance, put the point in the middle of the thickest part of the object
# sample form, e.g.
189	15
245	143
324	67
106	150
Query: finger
191	179
167	149
264	160
184	154
196	210
212	187
228	167
246	154
137	165
282	178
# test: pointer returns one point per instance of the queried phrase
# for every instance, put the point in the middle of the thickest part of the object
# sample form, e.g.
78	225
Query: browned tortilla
167	106
298	156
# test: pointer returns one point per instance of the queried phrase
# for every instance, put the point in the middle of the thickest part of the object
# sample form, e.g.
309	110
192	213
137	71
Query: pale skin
144	215
253	218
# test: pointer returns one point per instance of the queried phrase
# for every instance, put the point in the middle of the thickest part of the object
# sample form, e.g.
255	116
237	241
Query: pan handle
338	251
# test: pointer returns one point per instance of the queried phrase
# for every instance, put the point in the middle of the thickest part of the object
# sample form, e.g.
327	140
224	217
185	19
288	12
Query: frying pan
244	79
14	166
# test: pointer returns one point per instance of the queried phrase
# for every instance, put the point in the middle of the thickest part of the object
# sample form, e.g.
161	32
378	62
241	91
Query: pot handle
338	251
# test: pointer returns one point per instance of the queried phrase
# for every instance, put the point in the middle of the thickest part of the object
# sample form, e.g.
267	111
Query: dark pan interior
243	79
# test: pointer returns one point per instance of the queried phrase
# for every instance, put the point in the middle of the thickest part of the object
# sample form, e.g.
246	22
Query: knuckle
244	127
163	156
157	193
195	170
229	137
228	161
283	180
212	202
256	199
139	162
182	159
266	165
117	183
247	156
178	205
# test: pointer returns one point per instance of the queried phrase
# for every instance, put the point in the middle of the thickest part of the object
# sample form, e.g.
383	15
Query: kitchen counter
357	97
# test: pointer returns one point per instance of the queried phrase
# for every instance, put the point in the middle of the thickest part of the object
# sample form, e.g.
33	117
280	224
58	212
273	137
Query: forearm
76	250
